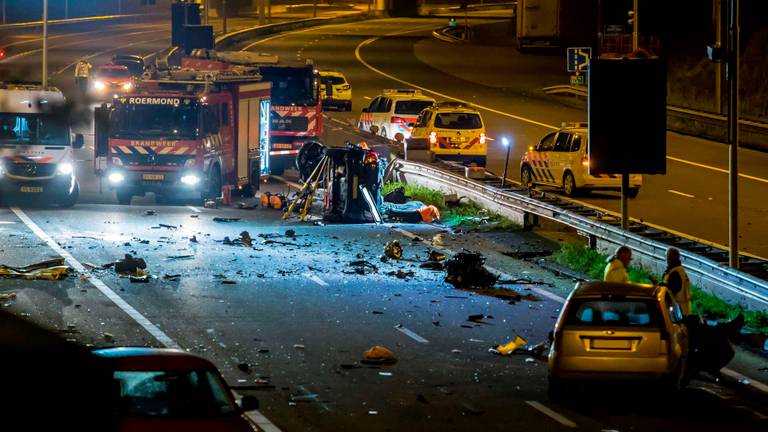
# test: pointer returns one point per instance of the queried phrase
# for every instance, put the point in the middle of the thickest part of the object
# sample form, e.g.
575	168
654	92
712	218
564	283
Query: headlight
2	167
128	86
190	179
116	177
65	168
99	85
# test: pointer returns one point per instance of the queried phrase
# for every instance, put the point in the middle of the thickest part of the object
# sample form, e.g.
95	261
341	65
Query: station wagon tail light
345	87
433	137
482	137
585	161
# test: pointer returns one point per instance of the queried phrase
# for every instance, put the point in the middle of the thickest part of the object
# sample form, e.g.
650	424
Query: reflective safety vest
615	272
683	297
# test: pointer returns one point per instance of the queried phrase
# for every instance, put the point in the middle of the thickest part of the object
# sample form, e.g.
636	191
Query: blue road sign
578	59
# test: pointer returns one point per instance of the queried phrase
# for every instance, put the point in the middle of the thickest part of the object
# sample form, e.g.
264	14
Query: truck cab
36	145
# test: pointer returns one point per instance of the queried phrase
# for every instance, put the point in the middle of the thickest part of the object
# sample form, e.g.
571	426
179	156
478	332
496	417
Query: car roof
592	289
580	127
152	359
332	73
410	94
453	107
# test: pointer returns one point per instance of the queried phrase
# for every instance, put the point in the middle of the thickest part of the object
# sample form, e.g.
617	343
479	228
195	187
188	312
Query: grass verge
592	263
466	215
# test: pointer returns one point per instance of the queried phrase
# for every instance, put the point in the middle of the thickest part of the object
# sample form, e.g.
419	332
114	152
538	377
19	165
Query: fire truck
297	111
185	132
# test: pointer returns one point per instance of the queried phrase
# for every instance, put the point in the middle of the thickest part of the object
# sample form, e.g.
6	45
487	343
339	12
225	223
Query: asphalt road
692	198
300	321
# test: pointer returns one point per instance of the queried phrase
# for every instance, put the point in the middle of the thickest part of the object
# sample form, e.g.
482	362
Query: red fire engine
297	111
187	131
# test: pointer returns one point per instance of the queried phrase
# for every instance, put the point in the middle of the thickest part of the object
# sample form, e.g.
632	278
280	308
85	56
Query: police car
335	90
393	113
560	159
452	131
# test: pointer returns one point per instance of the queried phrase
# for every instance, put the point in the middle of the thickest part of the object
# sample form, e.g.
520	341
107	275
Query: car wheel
526	176
214	182
72	198
124	195
632	192
349	106
569	184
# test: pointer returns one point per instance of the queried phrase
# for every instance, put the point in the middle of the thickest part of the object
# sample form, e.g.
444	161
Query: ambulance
561	160
36	144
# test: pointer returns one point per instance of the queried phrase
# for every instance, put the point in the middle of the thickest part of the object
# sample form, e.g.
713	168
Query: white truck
36	144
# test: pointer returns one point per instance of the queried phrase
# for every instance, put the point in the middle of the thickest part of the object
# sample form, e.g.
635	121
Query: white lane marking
194	209
681	193
315	278
262	422
96	282
759	415
411	334
720	170
712	392
551	414
6	222
737	376
117	300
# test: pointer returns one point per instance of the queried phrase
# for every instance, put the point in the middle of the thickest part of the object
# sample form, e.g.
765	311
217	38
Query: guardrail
58	22
520	204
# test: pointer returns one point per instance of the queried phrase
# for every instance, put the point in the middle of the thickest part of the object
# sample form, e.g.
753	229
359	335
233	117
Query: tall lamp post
505	141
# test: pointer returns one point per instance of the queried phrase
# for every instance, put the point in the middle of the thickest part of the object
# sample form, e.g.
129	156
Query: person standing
676	280
616	268
82	73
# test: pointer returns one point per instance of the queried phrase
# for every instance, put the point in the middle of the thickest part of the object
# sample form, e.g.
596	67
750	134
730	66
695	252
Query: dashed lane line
713	168
316	279
411	334
194	209
151	328
554	415
681	193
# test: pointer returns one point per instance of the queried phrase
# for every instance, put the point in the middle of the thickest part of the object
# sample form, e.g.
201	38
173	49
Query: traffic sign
578	59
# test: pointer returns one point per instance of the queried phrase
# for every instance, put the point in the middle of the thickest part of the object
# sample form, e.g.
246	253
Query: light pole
505	141
45	44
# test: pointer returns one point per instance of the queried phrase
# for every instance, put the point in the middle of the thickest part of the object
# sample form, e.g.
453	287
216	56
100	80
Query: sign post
578	63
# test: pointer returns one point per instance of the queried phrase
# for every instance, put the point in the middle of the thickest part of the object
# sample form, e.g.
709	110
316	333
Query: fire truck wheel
124	196
70	200
214	182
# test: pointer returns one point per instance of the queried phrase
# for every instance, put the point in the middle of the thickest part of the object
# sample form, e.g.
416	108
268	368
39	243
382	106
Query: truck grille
31	169
154	160
287	123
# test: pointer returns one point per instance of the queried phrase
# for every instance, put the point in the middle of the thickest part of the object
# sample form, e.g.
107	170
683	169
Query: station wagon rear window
411	106
335	80
623	313
458	121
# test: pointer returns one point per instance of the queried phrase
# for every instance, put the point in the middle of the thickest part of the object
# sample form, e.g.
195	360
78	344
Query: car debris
172	277
435	256
139	279
130	265
361	267
290	233
476	318
433	265
210	204
53	269
299	346
245	237
467	270
401	274
507	349
228	282
438	239
194	216
168	226
8	296
150	213
225	219
379	355
393	250
179	257
193	239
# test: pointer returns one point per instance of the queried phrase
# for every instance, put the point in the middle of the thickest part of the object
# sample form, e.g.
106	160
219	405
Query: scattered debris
130	265
210	204
269	242
509	347
150	213
299	346
530	360
53	269
393	250
377	312
176	257
467	270
521	281
228	282
436	323
8	296
109	337
194	216
420	398
225	219
401	274
372	412
433	265
290	233
93	266
476	318
140	279
246	206
245	367
456	351
245	237
438	239
193	239
435	256
172	277
362	267
379	355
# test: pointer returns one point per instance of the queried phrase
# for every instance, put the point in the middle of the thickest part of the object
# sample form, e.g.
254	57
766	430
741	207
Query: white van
36	145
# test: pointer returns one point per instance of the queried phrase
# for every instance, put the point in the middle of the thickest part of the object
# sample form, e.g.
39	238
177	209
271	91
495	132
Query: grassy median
592	263
466	215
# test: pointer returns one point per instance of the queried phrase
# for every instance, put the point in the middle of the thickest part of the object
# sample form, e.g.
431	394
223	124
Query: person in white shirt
616	268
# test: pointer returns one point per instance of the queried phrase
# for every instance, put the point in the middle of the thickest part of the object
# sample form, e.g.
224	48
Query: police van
36	144
560	159
452	131
393	113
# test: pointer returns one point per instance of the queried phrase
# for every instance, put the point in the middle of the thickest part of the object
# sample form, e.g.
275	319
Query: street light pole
224	16
505	141
732	75
66	9
45	44
635	26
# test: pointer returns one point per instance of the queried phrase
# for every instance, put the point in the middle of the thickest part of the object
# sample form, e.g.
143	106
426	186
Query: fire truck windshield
43	129
154	121
291	86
